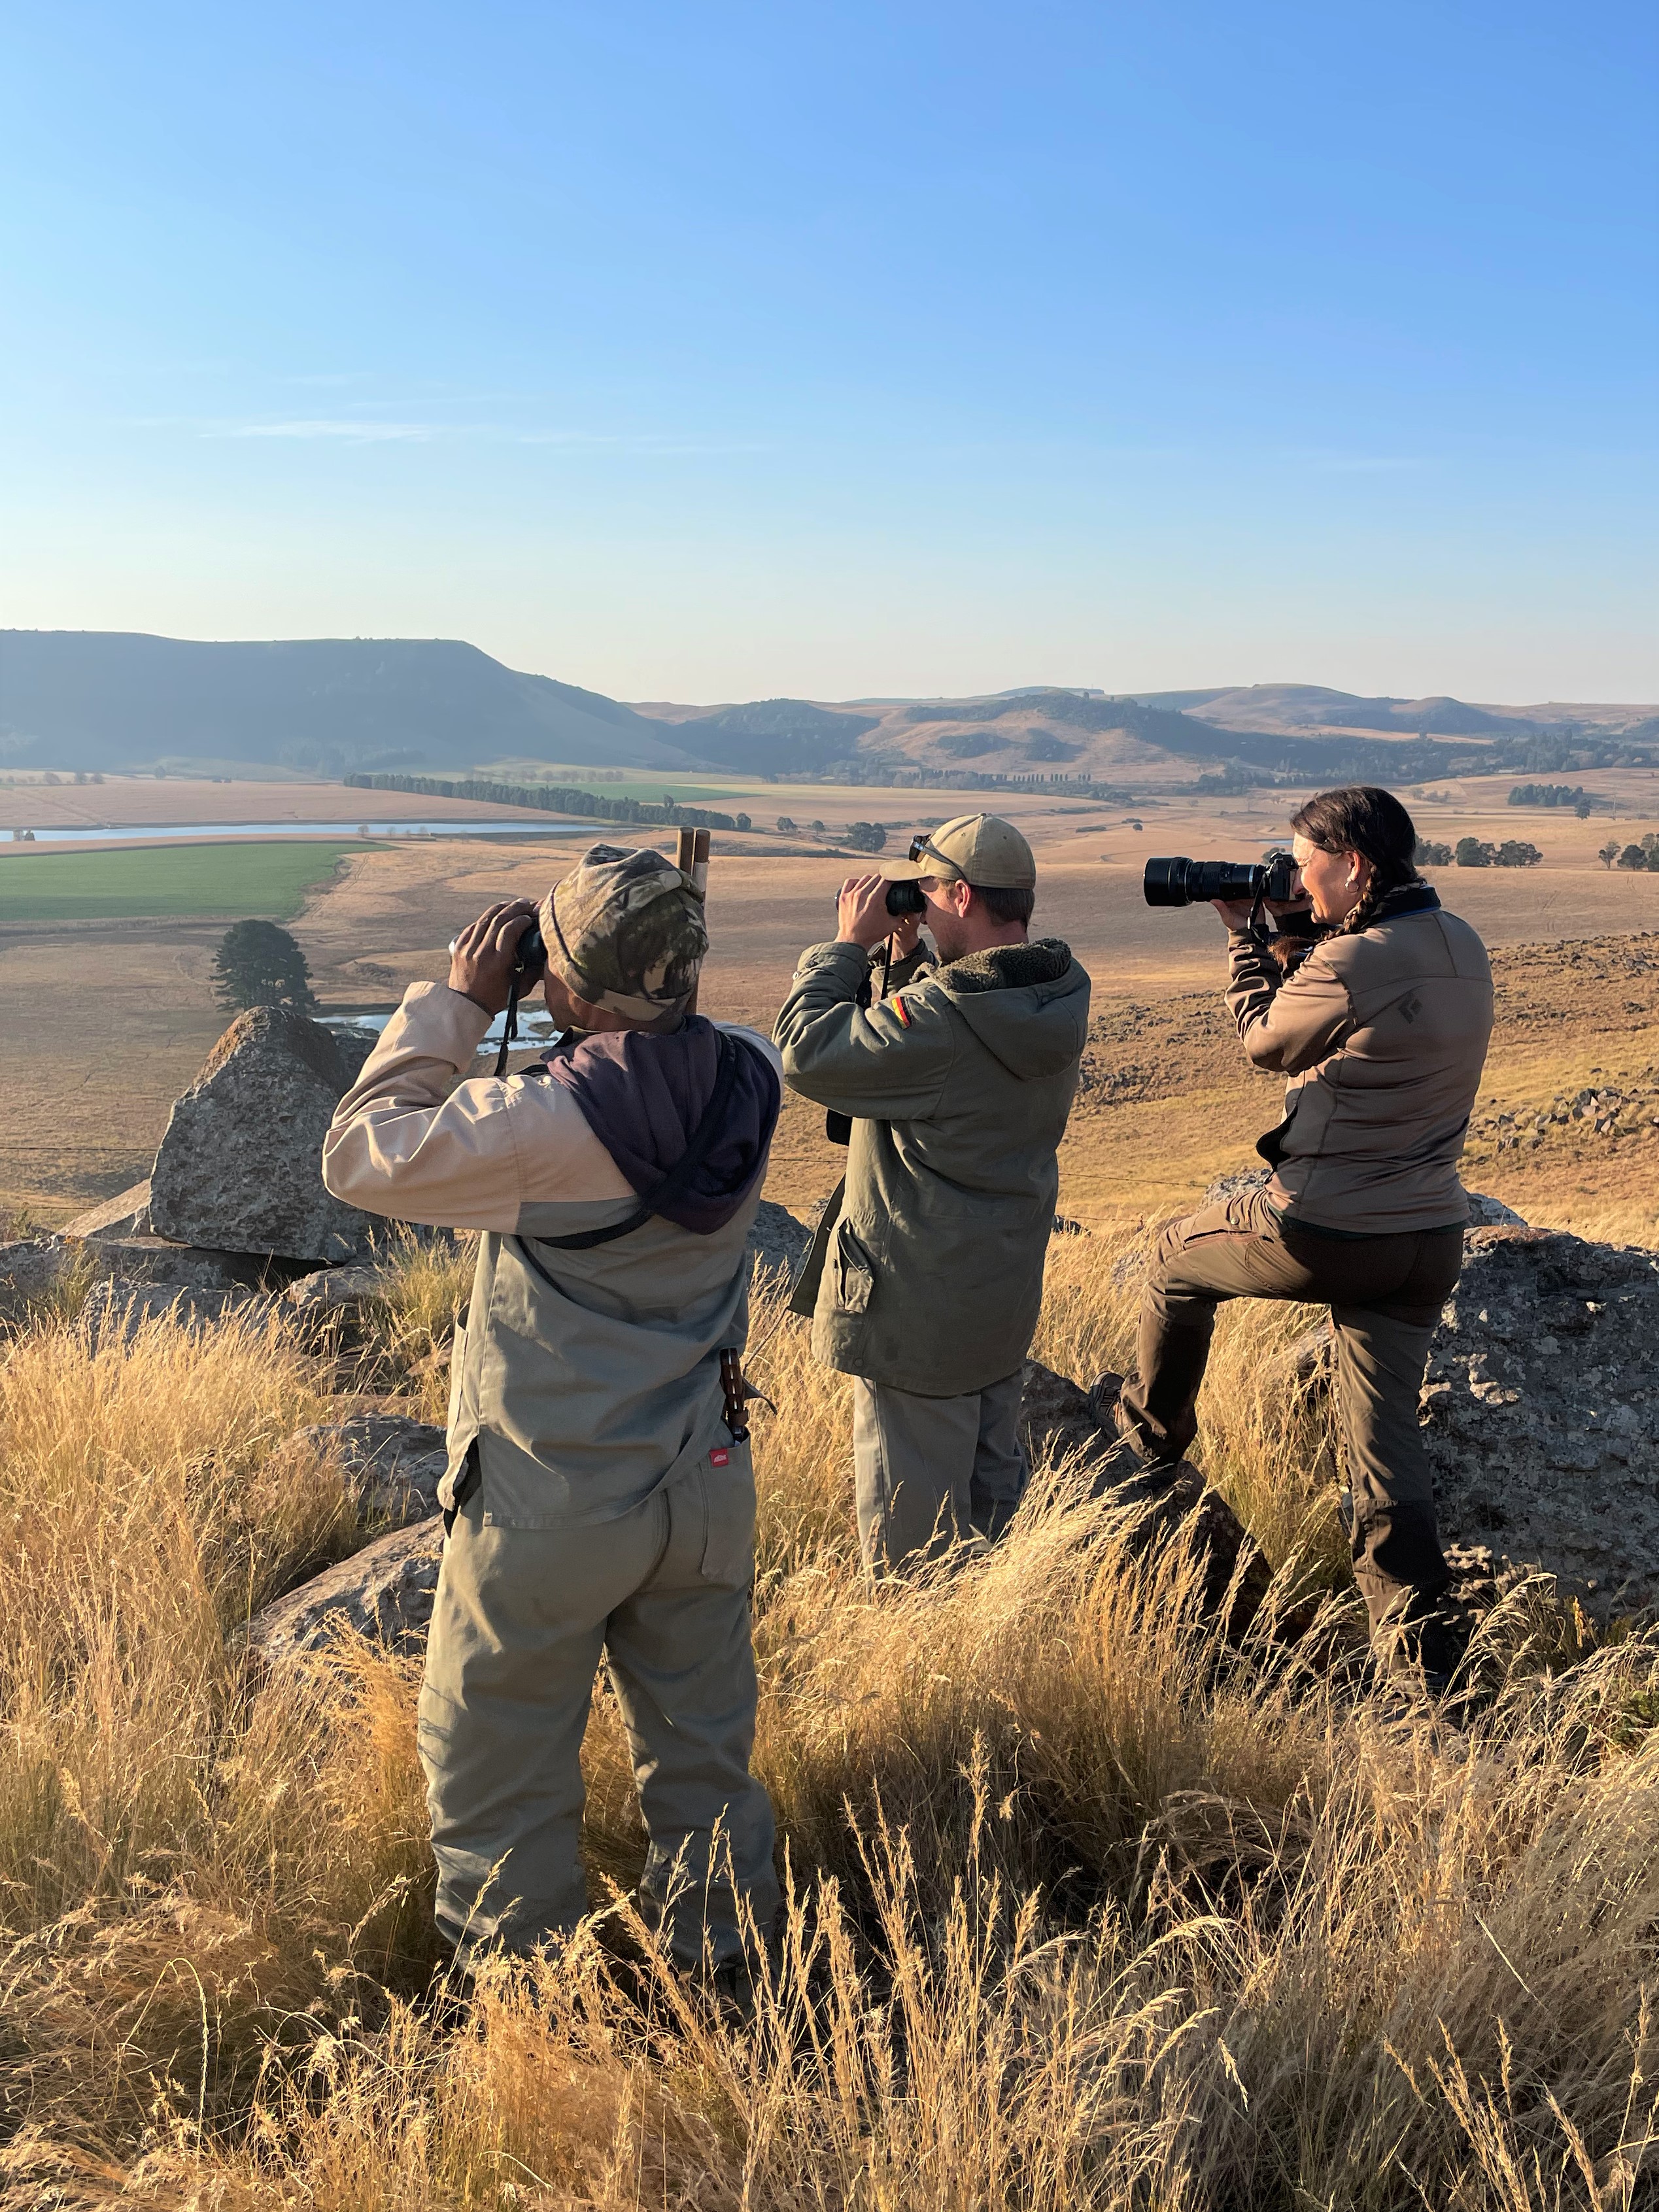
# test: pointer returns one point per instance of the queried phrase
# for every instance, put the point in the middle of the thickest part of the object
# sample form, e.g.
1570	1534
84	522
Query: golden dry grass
1087	1909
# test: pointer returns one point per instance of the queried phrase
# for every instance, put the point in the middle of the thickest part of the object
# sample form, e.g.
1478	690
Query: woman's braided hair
1363	818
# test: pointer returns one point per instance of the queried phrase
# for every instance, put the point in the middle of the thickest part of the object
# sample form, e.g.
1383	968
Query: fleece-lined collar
1007	966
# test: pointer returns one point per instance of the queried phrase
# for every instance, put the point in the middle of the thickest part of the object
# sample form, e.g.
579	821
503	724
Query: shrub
864	837
1471	853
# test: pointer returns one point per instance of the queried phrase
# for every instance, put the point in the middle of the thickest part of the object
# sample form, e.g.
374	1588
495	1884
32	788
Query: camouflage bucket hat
624	930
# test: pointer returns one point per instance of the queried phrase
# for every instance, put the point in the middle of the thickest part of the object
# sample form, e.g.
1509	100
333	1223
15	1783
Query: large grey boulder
117	1308
176	1266
239	1169
336	1292
31	1268
385	1592
126	1214
392	1463
1541	1411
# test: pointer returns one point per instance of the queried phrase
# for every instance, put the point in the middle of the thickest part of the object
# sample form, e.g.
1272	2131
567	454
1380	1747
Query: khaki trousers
520	1623
928	1472
1385	1294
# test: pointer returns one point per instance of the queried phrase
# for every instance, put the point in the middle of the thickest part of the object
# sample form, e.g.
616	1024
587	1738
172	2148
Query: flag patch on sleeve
902	1010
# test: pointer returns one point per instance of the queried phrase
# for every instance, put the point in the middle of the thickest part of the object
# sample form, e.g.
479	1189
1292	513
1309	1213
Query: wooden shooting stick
692	859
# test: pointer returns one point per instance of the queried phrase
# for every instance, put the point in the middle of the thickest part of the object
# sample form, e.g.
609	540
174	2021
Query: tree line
554	799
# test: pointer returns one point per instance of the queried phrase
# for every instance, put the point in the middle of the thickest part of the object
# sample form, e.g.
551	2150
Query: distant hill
776	734
113	700
105	699
1293	708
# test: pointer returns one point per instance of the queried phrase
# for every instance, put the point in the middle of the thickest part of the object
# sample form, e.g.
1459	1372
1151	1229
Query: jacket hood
1027	1004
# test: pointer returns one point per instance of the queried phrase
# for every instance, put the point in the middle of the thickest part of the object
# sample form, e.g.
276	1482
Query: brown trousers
1385	1294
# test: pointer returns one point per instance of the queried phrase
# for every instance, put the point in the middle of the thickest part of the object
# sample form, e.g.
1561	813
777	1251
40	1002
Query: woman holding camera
1382	1029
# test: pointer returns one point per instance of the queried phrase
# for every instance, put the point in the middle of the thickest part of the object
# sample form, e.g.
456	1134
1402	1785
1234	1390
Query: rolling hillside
109	699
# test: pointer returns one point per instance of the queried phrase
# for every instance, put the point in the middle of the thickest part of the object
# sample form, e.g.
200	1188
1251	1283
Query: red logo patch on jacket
720	1458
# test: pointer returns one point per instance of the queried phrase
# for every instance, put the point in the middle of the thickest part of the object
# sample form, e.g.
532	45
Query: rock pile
1541	1412
237	1169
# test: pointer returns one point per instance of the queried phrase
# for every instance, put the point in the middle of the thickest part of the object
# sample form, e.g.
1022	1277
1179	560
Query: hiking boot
1424	1645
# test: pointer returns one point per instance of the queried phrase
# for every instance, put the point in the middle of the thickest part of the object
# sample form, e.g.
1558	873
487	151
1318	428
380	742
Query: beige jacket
586	1378
1384	1034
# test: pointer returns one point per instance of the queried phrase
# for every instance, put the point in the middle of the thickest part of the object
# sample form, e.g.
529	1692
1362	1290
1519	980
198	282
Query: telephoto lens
1193	883
904	898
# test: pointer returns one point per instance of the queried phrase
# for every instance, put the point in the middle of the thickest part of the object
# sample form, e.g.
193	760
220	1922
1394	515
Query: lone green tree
260	964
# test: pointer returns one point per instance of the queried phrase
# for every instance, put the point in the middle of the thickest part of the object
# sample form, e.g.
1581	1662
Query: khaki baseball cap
981	849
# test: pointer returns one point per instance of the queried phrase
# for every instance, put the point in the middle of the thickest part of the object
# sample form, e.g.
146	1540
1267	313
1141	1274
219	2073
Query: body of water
209	830
537	1029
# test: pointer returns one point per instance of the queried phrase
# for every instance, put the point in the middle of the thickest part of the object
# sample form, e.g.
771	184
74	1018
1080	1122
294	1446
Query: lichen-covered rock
31	1268
239	1169
392	1464
384	1591
1541	1406
175	1266
335	1291
127	1214
117	1308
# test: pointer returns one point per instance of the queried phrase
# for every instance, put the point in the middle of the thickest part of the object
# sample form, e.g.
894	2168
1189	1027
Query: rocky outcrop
31	1268
237	1169
176	1266
384	1591
127	1214
335	1291
777	1242
1541	1411
117	1308
392	1465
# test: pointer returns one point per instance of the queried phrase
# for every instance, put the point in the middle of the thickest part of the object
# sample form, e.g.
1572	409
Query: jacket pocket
853	1275
728	1499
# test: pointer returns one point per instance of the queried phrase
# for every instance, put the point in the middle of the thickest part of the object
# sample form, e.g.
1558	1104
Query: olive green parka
959	1087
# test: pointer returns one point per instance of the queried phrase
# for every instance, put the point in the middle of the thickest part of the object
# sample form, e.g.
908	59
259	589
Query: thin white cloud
356	433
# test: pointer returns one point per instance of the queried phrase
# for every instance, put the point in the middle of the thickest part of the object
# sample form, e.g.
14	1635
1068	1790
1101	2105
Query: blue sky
716	351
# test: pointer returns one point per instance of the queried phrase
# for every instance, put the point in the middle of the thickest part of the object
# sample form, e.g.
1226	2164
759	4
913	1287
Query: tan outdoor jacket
1384	1034
585	1393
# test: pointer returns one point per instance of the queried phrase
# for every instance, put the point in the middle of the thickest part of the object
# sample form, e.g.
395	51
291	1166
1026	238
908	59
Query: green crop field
241	877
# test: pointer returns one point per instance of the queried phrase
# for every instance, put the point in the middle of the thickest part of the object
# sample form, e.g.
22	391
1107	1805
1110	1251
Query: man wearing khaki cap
928	1274
600	1498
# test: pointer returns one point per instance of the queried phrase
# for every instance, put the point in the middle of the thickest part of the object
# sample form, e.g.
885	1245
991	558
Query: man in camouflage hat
598	1504
929	1261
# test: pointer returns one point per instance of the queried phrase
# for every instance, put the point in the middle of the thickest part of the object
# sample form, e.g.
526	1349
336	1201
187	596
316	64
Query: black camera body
905	898
1195	883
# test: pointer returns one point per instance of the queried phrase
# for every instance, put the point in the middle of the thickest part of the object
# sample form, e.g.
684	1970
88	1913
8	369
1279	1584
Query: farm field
1168	1104
149	882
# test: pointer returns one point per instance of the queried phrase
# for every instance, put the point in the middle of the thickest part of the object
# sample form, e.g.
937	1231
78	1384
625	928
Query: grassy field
241	878
1090	1910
